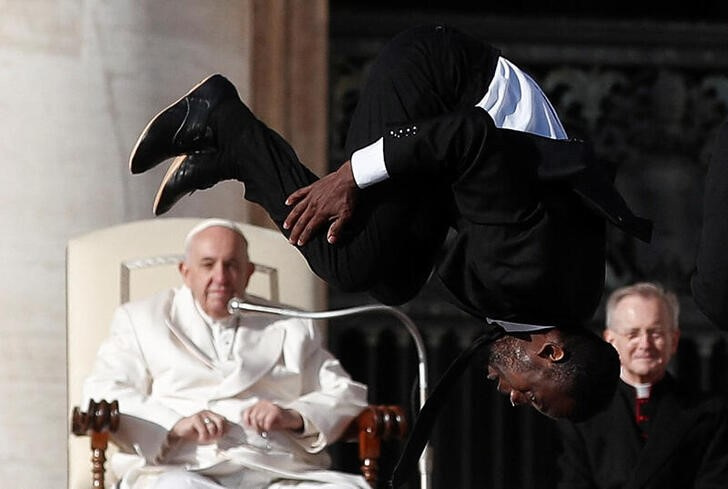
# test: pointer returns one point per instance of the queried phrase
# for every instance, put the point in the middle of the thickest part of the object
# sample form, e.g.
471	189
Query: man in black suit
528	208
652	435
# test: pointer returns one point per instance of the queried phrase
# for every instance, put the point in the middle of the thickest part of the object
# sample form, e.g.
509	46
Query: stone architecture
79	81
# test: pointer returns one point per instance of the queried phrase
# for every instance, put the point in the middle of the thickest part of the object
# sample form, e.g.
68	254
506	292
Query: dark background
647	84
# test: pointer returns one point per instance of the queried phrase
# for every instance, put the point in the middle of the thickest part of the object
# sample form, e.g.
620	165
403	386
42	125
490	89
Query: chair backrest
109	266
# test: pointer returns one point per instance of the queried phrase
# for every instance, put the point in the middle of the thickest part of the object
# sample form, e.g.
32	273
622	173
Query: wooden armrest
101	419
377	423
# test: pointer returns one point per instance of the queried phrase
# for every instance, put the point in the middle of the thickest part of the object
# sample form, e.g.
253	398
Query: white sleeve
330	399
368	166
120	373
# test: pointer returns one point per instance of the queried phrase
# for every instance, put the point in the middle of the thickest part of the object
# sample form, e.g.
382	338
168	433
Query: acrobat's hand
331	199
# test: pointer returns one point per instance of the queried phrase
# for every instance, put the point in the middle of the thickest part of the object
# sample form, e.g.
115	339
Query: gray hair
645	289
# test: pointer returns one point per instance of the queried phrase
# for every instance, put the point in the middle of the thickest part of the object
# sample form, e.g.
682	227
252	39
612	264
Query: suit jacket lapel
258	343
190	329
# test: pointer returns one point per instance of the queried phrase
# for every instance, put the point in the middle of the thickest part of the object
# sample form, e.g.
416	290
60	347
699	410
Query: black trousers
390	246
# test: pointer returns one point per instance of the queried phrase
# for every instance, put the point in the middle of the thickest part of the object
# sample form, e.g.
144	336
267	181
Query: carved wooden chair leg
376	424
101	419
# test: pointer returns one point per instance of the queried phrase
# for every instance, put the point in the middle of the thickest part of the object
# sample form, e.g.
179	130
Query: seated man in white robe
211	400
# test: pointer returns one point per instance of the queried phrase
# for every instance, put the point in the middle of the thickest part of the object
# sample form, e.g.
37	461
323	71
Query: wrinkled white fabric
515	101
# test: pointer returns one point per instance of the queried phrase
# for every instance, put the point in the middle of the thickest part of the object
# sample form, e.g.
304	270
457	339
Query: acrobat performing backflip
447	134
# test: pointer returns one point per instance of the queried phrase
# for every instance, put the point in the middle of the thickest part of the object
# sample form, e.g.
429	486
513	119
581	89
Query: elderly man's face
522	370
642	335
216	269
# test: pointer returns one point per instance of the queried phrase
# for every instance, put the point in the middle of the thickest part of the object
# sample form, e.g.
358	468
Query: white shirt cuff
367	164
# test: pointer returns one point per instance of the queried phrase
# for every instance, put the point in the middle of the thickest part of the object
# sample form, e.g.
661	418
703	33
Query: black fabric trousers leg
392	241
381	249
373	253
270	171
421	73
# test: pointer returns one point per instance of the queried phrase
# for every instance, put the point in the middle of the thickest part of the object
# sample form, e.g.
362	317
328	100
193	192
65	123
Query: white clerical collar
513	327
643	390
226	322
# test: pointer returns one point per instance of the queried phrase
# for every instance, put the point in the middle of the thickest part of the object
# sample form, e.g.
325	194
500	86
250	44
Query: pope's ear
552	351
183	271
248	273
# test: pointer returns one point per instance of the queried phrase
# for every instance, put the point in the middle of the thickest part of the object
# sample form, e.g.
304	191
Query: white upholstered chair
110	266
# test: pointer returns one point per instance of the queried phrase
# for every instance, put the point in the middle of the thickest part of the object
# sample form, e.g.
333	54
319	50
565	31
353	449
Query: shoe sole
154	119
170	171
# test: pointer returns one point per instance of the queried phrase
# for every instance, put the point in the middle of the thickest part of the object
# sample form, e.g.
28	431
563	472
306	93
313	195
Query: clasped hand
205	427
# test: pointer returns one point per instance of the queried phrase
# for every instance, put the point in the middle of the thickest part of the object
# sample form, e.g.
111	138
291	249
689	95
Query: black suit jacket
687	445
529	213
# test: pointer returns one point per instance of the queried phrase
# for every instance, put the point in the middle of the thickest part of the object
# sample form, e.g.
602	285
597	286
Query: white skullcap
209	223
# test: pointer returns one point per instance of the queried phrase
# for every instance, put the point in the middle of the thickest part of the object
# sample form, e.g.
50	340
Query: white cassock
162	363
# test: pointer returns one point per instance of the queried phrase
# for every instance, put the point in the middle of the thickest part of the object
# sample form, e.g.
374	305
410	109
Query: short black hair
590	371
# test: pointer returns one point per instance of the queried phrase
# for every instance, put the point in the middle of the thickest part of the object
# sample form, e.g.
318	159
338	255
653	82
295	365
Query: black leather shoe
186	174
182	127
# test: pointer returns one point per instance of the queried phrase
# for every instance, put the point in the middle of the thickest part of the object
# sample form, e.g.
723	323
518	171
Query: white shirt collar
643	390
515	101
225	322
513	327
